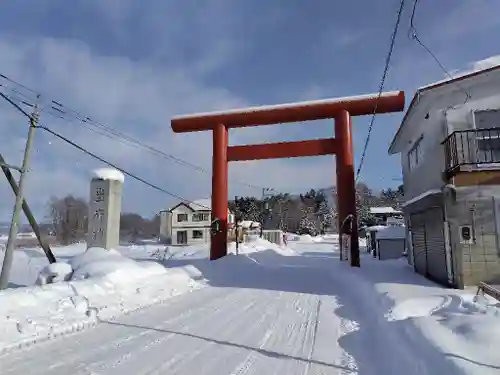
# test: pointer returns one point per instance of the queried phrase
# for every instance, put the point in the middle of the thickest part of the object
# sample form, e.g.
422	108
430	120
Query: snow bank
109	174
103	284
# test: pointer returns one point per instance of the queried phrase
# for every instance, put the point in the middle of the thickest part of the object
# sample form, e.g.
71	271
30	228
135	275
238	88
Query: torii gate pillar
341	109
218	245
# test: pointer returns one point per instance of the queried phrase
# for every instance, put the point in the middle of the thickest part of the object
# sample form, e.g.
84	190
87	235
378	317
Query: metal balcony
472	149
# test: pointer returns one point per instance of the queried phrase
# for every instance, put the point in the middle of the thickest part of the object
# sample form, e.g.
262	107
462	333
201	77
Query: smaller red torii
340	108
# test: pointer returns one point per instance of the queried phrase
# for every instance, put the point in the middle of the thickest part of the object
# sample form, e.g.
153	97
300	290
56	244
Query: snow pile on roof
375	228
104	284
109	174
383	210
474	67
201	204
391	232
247	224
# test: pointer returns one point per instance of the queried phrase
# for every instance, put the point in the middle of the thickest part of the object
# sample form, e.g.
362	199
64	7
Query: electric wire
381	88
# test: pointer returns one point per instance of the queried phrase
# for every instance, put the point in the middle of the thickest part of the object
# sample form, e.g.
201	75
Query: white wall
190	239
447	113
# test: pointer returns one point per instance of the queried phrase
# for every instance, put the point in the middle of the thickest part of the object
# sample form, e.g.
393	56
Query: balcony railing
472	147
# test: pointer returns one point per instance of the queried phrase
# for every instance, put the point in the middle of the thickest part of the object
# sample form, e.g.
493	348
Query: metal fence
472	147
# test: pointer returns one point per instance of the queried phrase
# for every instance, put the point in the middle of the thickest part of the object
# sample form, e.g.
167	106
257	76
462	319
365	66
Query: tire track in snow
33	365
242	317
286	342
164	337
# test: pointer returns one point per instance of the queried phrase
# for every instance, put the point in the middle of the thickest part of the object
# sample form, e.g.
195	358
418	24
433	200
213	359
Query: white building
383	214
449	144
188	223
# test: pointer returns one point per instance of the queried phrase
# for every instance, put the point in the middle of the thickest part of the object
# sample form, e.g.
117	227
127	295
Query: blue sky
134	64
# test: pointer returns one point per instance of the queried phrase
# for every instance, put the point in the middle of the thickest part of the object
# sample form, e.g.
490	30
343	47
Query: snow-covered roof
480	70
391	232
201	204
383	210
109	174
246	224
477	67
204	204
375	228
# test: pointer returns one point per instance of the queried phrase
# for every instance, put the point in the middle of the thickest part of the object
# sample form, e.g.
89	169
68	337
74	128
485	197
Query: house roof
204	204
421	96
383	210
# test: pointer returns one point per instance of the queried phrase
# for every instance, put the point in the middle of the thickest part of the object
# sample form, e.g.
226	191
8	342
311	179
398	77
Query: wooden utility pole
13	184
9	250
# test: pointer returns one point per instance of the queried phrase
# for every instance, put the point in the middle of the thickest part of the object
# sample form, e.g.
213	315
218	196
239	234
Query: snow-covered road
261	314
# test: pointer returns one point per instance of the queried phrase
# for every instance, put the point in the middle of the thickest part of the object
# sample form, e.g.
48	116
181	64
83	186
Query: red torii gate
341	109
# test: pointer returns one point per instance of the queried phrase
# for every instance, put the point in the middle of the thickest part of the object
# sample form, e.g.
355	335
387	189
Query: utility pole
14	225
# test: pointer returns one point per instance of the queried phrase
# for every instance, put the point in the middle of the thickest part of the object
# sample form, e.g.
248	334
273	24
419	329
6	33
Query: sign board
97	214
466	234
346	246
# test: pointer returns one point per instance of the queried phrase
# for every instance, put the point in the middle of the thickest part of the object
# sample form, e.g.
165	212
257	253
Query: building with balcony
188	223
449	142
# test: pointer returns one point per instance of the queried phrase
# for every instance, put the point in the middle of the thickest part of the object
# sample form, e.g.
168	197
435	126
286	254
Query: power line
84	150
413	34
135	177
381	87
58	110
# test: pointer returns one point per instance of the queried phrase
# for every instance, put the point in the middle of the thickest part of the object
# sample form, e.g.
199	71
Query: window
197	234
415	155
200	216
487	123
182	217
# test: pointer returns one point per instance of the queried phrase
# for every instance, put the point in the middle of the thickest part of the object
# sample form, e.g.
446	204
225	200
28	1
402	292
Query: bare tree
69	218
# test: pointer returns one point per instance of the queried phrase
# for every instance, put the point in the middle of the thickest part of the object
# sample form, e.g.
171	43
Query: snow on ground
272	310
103	284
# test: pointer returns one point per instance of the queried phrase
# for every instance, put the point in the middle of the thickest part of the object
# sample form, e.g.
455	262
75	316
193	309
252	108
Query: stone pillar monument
105	208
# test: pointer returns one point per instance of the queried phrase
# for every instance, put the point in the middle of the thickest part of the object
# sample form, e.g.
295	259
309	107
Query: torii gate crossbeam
341	109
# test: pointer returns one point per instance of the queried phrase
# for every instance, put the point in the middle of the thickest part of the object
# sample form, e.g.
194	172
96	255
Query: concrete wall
477	206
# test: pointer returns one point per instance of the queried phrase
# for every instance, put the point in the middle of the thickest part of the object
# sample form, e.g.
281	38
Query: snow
383	210
425	194
375	228
247	224
475	67
201	204
286	105
268	310
104	283
109	174
55	272
391	232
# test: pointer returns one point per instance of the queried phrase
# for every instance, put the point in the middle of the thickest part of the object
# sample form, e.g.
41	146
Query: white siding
447	113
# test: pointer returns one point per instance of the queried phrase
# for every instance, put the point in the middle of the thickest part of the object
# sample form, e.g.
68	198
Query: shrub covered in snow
99	262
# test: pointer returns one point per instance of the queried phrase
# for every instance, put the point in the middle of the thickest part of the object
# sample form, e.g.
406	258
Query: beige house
188	223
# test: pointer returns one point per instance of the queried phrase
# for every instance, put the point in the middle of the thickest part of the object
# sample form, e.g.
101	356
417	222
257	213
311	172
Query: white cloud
138	98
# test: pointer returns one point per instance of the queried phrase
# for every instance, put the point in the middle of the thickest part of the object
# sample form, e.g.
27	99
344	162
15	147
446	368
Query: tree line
312	212
68	221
